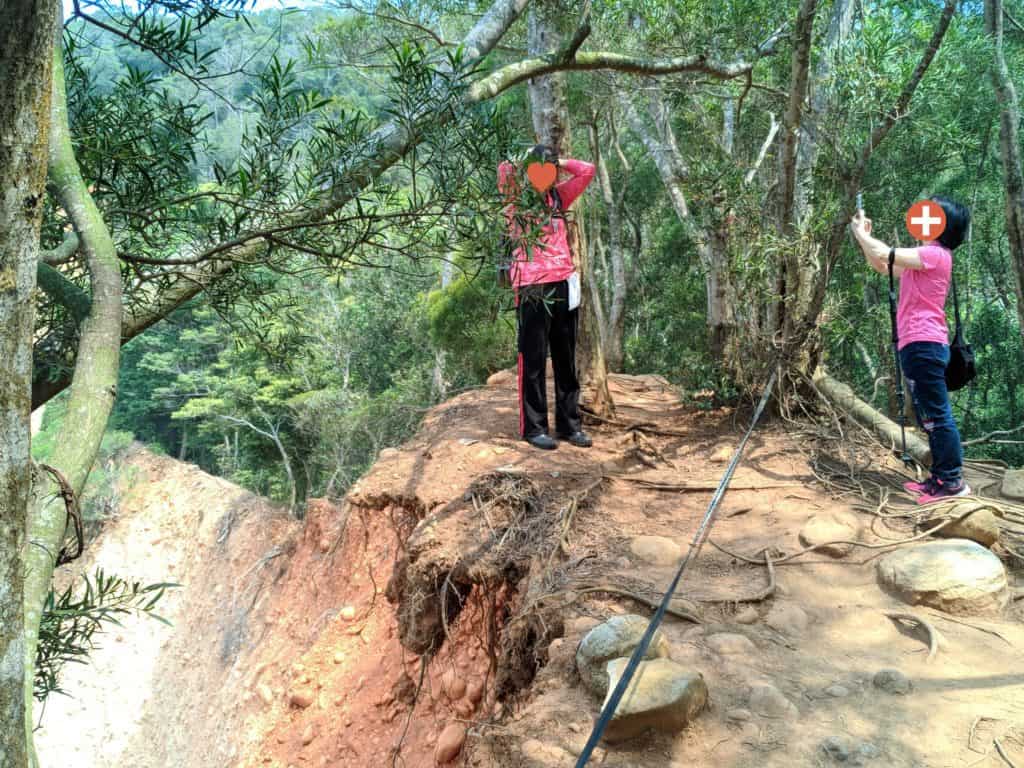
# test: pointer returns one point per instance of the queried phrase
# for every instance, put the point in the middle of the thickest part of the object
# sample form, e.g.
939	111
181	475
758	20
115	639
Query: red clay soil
436	611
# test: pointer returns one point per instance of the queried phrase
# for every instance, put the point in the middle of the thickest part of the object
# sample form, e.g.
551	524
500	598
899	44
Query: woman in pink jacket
543	279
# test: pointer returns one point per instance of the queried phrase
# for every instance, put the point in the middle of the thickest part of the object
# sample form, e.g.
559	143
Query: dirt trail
445	599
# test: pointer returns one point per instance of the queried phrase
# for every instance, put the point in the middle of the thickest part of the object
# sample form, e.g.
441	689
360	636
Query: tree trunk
711	242
888	431
1009	144
27	29
822	102
94	383
550	24
612	321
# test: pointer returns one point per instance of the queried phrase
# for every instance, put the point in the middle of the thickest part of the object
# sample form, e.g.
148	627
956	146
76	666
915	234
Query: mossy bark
94	382
27	28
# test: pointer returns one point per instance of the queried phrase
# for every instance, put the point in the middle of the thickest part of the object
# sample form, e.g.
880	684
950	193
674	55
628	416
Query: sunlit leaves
75	617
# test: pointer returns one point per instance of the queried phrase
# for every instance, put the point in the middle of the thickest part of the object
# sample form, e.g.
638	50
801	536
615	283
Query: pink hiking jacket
551	260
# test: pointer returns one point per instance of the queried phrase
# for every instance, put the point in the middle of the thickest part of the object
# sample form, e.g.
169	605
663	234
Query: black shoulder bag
960	369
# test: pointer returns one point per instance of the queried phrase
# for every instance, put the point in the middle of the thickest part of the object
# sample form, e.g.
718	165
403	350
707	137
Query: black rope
698	541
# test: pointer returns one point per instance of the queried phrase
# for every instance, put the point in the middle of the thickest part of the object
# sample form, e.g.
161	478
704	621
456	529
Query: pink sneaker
939	491
915	488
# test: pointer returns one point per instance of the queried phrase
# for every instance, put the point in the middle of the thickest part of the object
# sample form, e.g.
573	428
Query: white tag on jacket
574	290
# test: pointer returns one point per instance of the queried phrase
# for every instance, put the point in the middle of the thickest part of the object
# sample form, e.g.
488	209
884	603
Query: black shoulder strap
956	298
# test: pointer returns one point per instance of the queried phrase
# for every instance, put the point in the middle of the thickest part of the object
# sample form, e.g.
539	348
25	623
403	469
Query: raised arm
877	253
582	174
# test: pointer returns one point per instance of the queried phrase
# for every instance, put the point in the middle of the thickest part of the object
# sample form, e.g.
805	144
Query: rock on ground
981	526
768	701
748	615
787	618
831	526
849	751
892	681
545	754
656	550
613	639
730	644
722	453
500	378
449	743
662	695
956	575
1013	484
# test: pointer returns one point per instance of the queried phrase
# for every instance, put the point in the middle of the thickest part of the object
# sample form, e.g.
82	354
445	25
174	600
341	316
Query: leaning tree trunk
27	29
1009	143
550	25
94	383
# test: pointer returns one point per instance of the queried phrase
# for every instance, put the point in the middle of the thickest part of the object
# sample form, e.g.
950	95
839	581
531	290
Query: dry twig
933	633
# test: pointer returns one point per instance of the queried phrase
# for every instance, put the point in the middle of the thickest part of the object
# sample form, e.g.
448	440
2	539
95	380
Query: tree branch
512	74
63	252
63	291
900	107
990	435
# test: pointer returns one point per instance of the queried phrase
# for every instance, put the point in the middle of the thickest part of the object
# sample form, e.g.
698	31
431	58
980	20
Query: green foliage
469	322
72	620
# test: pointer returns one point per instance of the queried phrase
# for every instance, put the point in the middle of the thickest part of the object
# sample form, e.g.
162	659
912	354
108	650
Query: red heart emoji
542	175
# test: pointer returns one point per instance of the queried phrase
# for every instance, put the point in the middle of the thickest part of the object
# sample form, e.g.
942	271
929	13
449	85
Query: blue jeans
924	368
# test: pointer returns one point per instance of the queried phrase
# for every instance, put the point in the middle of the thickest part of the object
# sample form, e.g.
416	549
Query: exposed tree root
808	550
933	634
653	604
709	486
1002	754
978	627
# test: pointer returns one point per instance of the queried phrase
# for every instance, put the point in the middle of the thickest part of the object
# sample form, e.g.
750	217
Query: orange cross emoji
926	220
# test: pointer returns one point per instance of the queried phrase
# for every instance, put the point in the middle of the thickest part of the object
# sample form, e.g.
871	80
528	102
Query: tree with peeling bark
27	31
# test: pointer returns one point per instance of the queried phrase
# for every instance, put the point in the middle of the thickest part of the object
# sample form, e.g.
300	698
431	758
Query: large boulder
1013	484
981	526
662	695
613	639
837	525
956	575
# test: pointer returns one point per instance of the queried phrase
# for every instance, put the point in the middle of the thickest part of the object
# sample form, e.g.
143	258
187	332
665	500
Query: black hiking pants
545	320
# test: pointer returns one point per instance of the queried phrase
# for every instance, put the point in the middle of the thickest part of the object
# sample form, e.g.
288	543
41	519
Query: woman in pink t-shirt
924	273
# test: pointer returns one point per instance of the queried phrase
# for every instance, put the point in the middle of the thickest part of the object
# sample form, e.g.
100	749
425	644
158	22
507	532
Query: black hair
546	154
958	222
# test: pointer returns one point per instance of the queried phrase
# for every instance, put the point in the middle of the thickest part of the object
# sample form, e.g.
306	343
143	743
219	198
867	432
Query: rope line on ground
699	538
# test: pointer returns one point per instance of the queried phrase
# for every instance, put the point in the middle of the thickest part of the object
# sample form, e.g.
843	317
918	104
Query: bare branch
63	253
512	74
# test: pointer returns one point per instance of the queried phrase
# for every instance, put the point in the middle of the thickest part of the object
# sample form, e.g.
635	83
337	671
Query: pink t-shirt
921	314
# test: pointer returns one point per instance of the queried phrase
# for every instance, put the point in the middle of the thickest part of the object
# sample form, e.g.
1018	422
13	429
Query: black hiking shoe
543	441
579	438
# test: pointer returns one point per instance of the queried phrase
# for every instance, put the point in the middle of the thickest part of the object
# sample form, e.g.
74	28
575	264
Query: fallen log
842	397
